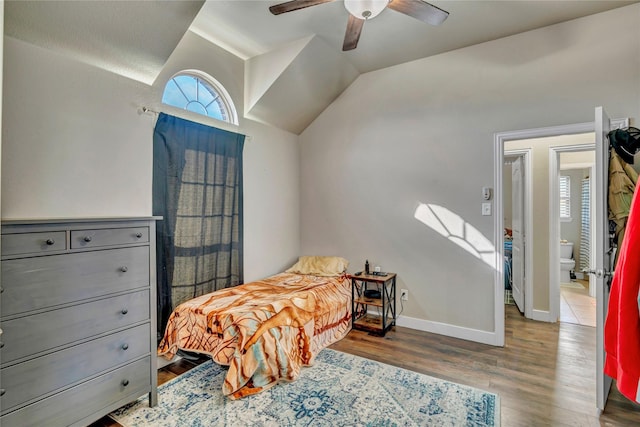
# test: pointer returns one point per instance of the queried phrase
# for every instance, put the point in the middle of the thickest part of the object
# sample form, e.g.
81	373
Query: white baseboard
446	329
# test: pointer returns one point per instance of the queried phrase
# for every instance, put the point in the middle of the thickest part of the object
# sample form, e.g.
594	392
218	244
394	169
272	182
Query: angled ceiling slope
263	70
130	38
289	87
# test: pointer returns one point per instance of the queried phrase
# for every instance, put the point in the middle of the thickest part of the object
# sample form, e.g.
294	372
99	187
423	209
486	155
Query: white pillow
320	266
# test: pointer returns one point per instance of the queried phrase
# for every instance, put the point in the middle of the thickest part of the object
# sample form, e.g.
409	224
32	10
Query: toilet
567	263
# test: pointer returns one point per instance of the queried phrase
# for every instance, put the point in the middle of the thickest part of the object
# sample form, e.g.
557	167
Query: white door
603	256
517	213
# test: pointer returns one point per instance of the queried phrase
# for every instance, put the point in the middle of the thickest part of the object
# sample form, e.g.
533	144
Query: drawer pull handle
1	290
125	346
124	311
1	344
2	391
50	242
138	235
88	239
125	382
124	268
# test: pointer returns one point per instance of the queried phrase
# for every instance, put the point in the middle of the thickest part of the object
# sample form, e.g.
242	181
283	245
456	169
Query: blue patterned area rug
338	390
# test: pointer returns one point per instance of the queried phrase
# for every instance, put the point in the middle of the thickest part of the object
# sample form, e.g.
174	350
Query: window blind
565	197
585	225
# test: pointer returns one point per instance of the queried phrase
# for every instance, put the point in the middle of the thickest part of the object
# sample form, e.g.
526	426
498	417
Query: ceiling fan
362	10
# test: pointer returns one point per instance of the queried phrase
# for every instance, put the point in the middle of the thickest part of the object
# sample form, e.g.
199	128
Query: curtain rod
146	110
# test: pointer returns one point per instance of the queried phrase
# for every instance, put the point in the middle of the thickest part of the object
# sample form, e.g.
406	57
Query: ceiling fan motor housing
365	9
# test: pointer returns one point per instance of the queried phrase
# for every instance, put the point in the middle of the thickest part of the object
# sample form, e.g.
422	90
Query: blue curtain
197	189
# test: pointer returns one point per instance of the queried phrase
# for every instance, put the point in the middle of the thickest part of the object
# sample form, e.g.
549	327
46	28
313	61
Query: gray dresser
78	316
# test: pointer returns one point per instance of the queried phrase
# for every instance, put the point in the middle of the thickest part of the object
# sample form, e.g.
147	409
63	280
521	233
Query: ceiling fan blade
292	5
351	37
420	10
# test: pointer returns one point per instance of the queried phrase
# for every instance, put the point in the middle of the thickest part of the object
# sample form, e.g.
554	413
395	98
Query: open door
602	270
517	223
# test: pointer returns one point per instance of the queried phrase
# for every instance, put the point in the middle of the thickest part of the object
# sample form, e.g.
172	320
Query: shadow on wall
451	226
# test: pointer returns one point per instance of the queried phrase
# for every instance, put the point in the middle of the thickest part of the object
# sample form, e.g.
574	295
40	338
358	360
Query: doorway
540	160
543	305
575	184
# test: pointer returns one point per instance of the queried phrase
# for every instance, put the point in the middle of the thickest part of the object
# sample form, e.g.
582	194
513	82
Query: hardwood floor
544	375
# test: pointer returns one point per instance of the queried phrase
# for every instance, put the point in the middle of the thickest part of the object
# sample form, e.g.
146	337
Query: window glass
192	91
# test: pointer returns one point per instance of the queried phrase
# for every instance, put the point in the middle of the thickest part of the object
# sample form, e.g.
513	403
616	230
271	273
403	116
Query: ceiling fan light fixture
365	9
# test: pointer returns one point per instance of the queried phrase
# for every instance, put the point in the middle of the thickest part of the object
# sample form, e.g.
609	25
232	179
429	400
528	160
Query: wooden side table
375	314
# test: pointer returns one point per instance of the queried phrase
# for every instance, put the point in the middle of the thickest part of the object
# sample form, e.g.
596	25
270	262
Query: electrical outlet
404	294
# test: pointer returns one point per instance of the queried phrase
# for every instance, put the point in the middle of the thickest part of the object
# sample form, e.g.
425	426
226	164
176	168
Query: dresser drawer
34	334
108	237
36	377
96	396
41	282
33	243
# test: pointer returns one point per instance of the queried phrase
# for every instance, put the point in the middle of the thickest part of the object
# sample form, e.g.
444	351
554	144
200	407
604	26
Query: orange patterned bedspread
264	330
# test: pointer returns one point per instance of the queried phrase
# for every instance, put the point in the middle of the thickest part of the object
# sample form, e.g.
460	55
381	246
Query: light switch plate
486	209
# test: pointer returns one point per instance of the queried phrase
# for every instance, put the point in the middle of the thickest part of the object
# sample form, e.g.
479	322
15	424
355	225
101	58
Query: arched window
197	92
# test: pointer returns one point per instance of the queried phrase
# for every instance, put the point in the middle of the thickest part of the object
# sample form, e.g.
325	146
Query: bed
265	331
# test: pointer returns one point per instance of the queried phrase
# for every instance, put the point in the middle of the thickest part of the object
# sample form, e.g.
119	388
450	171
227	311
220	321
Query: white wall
76	146
271	201
422	132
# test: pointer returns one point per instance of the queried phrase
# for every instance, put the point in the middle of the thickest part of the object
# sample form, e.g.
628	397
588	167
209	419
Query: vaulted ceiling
131	38
293	62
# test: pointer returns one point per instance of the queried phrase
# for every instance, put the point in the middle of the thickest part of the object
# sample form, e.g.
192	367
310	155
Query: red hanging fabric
622	326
